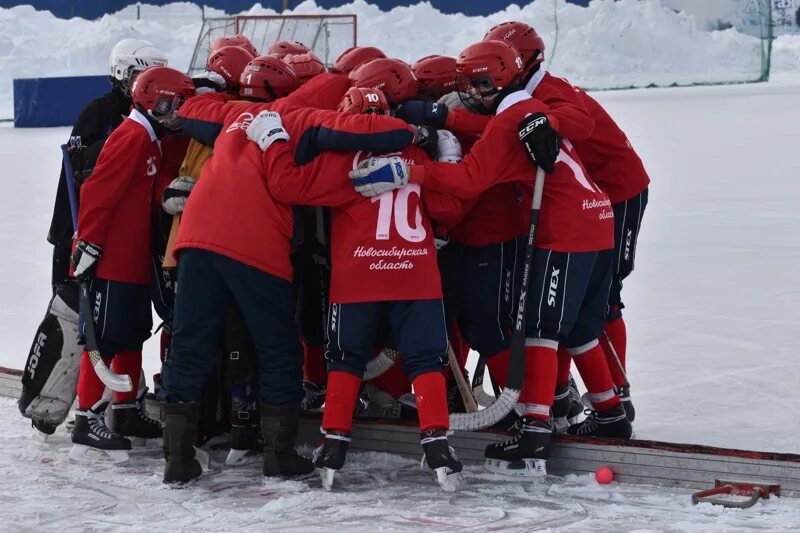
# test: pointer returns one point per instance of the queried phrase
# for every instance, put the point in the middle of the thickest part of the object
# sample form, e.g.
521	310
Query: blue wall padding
46	102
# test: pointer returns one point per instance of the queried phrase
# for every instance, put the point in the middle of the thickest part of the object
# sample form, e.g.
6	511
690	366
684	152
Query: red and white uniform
603	148
116	201
576	214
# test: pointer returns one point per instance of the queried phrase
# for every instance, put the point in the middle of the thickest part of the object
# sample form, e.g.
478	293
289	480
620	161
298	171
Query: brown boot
180	431
279	425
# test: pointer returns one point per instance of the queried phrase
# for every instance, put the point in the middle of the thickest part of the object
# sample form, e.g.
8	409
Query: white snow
610	44
41	490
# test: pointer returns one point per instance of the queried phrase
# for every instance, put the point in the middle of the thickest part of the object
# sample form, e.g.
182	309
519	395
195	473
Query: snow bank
609	44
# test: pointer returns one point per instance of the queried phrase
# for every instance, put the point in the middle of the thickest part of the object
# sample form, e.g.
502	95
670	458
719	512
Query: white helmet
133	55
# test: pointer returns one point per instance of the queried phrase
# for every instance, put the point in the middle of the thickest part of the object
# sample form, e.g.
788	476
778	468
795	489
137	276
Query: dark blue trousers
207	284
627	223
418	327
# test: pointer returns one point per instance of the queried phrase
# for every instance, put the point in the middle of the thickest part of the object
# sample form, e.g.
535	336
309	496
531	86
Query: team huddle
343	238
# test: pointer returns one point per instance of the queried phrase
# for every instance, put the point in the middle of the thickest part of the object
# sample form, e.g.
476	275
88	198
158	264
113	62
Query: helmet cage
478	94
165	110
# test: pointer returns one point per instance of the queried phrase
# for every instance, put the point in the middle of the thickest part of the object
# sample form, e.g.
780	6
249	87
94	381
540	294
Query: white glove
449	147
452	101
208	81
174	197
266	128
377	175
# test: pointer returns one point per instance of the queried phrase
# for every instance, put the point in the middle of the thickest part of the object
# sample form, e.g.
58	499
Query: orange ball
604	475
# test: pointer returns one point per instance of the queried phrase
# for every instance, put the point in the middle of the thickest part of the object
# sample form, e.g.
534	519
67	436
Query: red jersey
230	211
381	248
116	201
576	214
604	150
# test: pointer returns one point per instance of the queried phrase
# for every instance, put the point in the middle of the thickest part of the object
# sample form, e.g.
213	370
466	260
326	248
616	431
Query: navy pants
207	284
491	283
627	223
418	328
122	316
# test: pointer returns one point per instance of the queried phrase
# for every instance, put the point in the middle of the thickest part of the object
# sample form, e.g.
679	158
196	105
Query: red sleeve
121	160
569	116
174	150
445	209
464	123
321	92
323	182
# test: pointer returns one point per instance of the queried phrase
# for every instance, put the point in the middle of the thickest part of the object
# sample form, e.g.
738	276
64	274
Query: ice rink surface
713	322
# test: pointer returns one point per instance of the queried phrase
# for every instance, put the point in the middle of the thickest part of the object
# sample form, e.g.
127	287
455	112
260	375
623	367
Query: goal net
327	35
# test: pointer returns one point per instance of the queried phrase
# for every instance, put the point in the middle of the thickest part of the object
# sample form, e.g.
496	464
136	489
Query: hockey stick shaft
115	382
516	365
616	358
466	393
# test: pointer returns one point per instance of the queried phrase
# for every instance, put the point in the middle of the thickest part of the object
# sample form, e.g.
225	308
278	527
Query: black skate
441	458
244	432
330	456
314	395
44	428
611	423
130	419
91	433
524	454
624	394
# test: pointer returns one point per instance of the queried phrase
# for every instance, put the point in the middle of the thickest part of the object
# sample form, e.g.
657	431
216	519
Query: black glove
427	139
84	259
422	113
540	140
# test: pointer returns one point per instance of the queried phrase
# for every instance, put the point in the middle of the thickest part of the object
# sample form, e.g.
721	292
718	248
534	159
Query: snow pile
609	44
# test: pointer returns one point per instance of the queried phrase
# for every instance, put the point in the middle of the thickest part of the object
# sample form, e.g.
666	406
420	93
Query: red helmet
363	101
234	40
280	49
436	75
267	78
305	66
160	91
522	37
483	70
391	76
354	57
229	62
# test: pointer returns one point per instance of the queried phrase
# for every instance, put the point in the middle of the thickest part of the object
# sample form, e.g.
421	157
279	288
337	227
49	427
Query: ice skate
610	423
314	395
243	434
524	454
130	419
624	394
329	457
440	457
91	435
43	429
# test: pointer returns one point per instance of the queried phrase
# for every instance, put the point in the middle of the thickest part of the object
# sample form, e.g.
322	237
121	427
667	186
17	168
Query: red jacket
604	149
116	201
230	211
576	215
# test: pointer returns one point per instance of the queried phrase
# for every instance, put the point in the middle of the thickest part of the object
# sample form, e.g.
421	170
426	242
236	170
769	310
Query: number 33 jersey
382	247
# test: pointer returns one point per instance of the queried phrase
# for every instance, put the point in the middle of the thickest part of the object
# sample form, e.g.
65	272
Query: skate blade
241	457
86	454
561	425
447	480
327	475
202	458
524	467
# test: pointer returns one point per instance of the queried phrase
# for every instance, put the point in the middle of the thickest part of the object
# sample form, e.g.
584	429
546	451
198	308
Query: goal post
327	35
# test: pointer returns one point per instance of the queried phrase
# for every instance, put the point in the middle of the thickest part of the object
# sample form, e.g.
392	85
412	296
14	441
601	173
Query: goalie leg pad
51	370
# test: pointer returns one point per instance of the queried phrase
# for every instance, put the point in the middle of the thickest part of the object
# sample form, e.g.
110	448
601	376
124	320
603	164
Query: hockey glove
541	141
174	197
452	101
449	147
267	128
377	175
426	138
208	81
84	259
421	113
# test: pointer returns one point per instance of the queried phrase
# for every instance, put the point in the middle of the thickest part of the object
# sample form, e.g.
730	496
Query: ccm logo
536	123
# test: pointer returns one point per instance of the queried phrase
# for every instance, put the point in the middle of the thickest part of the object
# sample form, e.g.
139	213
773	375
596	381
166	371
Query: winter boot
524	454
441	458
90	432
131	420
329	457
244	431
180	432
624	393
610	423
279	425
